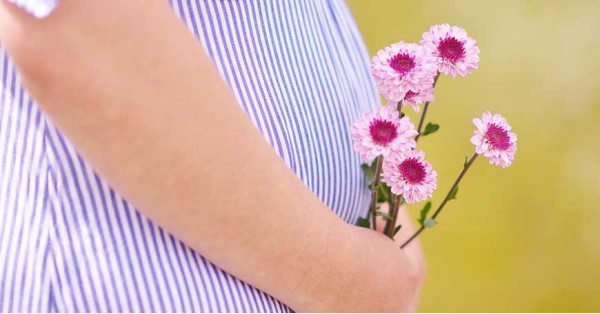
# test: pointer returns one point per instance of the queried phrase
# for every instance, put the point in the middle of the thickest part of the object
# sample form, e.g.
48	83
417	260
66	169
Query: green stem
412	237
375	189
446	199
391	225
425	110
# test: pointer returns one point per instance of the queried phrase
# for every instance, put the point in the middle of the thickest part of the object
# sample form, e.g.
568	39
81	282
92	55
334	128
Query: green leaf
429	223
397	229
369	170
466	161
385	216
430	128
424	212
383	195
453	196
363	222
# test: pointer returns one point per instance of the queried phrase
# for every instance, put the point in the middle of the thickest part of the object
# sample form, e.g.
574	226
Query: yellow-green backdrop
524	238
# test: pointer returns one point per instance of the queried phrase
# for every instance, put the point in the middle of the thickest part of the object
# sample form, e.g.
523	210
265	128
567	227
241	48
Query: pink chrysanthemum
410	175
382	131
455	52
418	98
493	139
402	67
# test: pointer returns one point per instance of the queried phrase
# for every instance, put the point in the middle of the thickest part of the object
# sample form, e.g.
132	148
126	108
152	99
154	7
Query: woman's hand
414	251
138	97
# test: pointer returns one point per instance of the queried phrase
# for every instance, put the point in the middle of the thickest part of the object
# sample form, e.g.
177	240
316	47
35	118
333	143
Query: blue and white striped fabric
38	8
69	243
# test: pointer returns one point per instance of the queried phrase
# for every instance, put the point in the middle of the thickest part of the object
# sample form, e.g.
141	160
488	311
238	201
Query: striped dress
70	243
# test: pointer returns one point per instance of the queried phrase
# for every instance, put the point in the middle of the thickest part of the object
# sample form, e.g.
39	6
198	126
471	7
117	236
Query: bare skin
138	97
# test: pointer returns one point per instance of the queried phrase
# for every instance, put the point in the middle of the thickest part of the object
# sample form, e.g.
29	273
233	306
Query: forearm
141	101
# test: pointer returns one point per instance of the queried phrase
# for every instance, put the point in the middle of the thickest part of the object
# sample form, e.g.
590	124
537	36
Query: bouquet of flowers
407	73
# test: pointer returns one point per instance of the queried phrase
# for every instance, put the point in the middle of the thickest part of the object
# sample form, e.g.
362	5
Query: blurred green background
524	238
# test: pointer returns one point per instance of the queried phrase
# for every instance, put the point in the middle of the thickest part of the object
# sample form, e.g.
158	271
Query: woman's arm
138	97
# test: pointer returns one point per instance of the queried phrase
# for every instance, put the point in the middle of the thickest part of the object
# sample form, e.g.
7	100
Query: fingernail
37	8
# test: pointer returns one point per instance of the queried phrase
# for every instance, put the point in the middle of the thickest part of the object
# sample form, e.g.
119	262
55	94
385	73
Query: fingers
414	250
408	226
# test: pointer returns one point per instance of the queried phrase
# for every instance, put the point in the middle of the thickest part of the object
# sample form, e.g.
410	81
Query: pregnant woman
188	156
